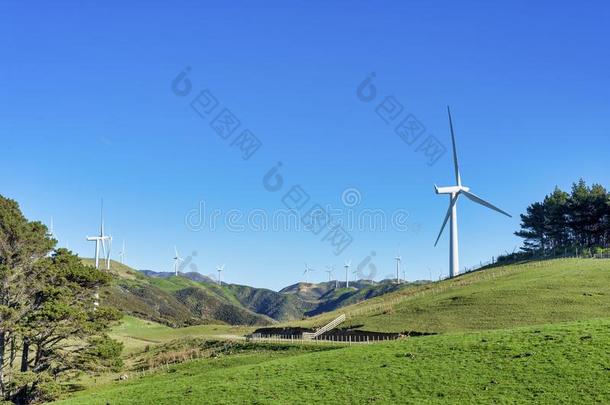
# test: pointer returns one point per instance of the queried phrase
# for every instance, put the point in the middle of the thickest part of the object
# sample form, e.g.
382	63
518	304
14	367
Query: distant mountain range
191	276
192	298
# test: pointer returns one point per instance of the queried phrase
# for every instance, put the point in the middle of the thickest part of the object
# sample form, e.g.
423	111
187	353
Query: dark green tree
46	312
556	217
579	219
533	227
22	244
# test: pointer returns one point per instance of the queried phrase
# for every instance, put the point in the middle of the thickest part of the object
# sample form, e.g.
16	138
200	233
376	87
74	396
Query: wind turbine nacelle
450	190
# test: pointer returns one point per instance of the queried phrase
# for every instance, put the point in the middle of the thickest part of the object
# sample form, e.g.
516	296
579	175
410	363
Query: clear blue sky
88	112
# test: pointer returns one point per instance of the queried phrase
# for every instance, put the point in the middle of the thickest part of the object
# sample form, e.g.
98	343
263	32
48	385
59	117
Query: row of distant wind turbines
331	269
178	260
104	241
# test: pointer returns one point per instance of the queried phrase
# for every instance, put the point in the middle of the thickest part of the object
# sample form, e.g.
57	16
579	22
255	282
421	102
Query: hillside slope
174	301
294	302
191	299
566	363
517	295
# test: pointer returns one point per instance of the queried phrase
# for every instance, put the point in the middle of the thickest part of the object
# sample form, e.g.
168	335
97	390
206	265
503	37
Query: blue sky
88	112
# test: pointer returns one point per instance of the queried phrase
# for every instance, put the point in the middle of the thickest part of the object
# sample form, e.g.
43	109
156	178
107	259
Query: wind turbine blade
176	251
484	203
458	179
451	204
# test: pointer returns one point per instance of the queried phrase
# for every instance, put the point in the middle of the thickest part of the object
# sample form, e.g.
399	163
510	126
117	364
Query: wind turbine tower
107	250
398	259
220	269
52	230
454	193
122	253
347	265
306	272
330	271
177	260
100	240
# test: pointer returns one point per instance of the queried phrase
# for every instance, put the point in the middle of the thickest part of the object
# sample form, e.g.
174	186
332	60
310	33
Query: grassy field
136	334
503	297
524	333
565	363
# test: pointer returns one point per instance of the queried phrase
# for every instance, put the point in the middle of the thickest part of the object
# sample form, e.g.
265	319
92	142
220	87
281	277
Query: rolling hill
192	299
502	297
531	332
549	364
174	301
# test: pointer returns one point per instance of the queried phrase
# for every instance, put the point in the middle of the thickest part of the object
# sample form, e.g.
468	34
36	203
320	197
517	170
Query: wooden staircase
329	326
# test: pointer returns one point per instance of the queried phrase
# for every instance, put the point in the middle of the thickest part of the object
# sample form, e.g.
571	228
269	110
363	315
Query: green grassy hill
483	352
136	334
192	299
276	305
503	297
174	301
550	364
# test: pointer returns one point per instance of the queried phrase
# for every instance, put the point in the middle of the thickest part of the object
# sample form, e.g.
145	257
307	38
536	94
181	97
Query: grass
484	354
565	363
136	334
504	297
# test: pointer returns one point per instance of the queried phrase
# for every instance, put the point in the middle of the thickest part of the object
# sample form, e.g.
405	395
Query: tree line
571	222
50	328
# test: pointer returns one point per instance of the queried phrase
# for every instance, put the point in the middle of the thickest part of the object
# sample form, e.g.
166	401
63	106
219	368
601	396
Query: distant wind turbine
355	272
347	265
220	269
107	251
177	260
99	240
52	230
122	253
306	272
398	259
330	272
454	192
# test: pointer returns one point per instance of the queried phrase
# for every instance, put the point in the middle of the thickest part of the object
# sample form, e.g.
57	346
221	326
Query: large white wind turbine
346	265
220	269
306	272
177	260
100	240
454	193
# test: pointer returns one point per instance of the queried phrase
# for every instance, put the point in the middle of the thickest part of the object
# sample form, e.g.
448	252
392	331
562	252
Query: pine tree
533	228
556	218
563	220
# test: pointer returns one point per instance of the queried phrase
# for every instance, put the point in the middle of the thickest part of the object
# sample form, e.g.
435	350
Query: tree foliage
49	326
576	220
